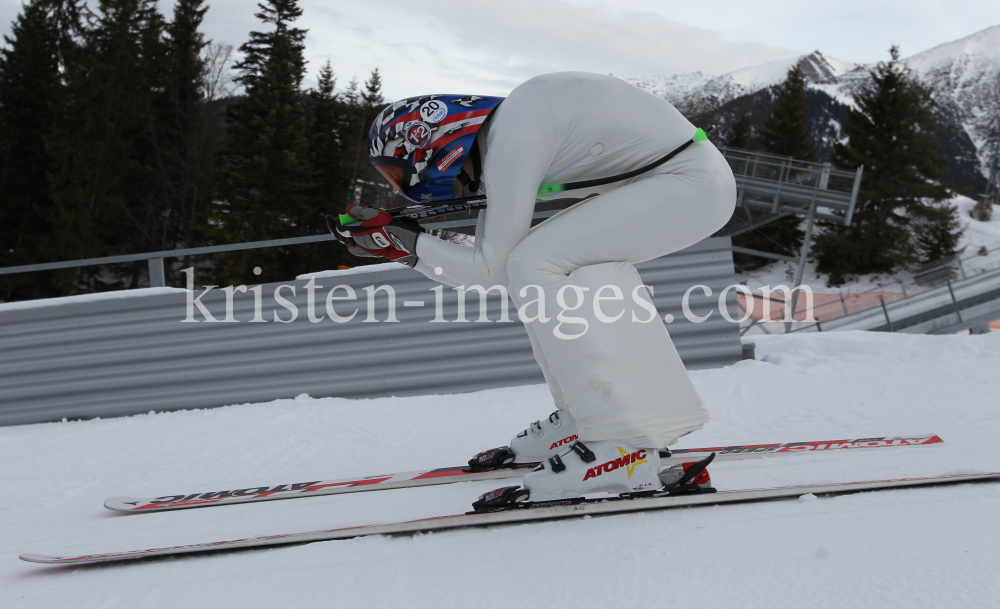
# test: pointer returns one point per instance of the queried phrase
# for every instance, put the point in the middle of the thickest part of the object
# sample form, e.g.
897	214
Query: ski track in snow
915	548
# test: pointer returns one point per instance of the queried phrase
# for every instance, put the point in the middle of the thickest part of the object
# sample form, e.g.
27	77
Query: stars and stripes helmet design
419	144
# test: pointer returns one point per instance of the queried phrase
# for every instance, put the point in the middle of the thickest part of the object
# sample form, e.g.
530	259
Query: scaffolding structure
771	187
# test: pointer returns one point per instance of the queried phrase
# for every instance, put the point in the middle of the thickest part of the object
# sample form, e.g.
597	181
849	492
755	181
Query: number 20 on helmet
420	143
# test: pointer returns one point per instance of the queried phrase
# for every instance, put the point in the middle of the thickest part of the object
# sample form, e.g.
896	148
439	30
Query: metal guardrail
961	293
80	357
155	259
969	304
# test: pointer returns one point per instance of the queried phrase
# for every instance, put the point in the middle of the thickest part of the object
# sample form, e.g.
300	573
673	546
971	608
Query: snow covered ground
917	548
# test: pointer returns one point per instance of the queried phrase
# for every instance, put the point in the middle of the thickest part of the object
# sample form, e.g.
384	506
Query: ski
541	511
447	475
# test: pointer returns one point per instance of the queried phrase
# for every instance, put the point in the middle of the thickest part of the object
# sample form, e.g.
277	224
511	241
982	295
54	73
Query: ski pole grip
346	219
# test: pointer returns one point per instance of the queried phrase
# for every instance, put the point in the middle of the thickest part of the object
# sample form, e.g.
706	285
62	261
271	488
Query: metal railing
834	310
782	186
778	184
155	259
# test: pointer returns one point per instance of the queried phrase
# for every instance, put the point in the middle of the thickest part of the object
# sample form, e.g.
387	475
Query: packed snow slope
929	547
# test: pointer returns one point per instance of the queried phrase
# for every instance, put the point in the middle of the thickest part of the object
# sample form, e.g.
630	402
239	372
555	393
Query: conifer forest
124	130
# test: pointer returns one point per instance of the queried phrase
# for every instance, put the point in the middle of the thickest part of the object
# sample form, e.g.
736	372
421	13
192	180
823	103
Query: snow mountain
963	75
697	93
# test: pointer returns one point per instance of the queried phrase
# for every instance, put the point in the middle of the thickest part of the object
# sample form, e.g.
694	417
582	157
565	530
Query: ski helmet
419	144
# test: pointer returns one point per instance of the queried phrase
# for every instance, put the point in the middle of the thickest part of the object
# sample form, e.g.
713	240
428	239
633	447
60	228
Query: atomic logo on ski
627	460
861	443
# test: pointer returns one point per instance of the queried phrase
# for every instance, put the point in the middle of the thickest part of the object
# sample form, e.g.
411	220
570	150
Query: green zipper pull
544	190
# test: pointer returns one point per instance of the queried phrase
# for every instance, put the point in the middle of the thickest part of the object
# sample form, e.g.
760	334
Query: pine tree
373	91
100	143
352	95
186	132
784	134
30	90
352	129
68	18
332	180
332	185
741	133
374	191
785	131
267	171
185	70
900	218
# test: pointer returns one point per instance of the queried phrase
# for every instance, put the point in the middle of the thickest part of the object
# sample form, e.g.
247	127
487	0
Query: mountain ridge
963	76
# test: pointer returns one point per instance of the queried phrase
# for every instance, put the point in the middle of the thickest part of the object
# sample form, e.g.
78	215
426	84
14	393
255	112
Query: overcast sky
448	46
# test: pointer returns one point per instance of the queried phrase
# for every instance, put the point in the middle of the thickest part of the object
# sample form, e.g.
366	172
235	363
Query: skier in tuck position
621	390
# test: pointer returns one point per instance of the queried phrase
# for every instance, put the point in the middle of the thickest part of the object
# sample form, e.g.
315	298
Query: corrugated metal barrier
134	354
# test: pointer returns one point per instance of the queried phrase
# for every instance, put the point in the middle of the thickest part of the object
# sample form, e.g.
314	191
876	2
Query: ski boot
540	441
599	467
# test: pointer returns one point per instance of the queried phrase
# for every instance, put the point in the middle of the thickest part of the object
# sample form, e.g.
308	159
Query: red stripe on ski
816	445
158	506
443	473
310	489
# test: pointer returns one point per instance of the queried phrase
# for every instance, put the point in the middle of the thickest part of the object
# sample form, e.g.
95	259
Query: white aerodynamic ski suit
622	381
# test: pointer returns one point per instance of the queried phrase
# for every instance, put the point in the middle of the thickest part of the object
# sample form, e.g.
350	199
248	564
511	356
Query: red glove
379	235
